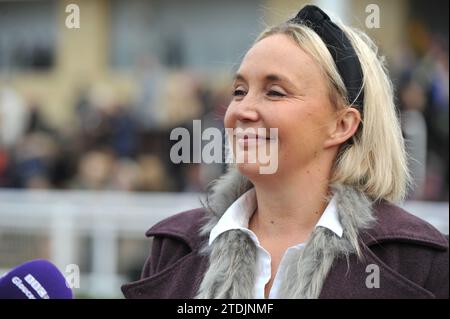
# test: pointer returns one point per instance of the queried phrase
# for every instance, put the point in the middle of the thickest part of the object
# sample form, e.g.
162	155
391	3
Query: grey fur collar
232	256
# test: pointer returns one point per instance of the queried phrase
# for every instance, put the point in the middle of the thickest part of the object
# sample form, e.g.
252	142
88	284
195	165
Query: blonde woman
325	224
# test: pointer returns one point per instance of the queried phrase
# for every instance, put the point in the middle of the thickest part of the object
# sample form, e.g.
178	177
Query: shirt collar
238	215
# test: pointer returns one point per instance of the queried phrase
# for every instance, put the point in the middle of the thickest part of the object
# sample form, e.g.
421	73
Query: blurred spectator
3	166
33	159
424	102
95	170
124	132
412	99
153	175
151	77
126	175
13	116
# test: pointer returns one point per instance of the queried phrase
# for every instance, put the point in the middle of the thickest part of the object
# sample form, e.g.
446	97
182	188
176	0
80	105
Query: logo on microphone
36	285
19	284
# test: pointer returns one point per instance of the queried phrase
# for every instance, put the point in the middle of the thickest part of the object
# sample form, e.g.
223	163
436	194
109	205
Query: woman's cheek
227	120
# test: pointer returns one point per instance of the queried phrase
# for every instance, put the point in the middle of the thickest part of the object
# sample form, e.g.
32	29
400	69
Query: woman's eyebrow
268	78
239	77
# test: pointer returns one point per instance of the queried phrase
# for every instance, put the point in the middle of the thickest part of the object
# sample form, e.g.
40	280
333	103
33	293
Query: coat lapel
180	281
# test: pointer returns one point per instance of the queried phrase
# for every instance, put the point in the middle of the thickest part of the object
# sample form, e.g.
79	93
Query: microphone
36	279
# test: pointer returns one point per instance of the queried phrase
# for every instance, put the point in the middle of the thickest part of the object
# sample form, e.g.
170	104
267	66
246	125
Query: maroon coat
411	254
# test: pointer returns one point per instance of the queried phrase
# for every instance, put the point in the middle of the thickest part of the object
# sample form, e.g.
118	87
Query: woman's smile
251	139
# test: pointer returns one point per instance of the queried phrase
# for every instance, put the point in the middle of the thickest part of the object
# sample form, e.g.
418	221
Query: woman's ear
347	122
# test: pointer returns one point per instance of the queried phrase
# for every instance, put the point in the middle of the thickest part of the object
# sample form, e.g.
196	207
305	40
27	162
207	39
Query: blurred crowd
117	144
112	144
421	78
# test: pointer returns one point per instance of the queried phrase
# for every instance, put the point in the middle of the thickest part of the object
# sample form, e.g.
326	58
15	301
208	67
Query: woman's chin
252	170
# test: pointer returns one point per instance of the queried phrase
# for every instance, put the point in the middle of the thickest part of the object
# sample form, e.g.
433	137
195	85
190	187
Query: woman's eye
275	93
238	92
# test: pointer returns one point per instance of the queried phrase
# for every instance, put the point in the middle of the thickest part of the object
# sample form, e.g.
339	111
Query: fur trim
232	256
224	191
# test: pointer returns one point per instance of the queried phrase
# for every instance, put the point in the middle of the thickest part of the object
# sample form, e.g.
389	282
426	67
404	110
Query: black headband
341	50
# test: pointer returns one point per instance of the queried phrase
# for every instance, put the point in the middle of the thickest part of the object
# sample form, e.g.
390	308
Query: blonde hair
376	162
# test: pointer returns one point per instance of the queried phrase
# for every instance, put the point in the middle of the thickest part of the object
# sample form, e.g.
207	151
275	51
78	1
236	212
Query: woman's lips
245	140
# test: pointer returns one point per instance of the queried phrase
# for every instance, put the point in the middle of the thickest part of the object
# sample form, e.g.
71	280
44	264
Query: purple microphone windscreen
37	279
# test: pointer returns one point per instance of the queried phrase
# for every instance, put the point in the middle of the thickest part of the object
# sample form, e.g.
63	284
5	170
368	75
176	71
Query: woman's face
279	86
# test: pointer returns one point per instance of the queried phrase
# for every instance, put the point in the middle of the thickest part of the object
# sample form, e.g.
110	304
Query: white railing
104	216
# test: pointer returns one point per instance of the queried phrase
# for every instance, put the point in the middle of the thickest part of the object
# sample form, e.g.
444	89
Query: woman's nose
247	111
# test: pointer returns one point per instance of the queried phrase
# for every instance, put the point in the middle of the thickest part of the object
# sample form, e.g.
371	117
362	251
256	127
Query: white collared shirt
237	216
